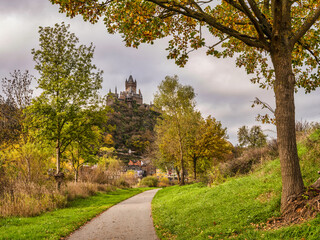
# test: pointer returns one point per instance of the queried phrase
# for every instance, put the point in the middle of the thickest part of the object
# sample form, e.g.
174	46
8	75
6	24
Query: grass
61	222
232	209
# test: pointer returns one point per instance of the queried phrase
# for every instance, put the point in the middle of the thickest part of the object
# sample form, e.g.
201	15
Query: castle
128	96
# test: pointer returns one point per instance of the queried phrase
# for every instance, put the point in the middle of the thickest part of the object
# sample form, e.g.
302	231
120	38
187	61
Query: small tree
69	84
253	138
208	145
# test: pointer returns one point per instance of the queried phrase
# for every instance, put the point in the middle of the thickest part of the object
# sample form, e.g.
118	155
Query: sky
223	90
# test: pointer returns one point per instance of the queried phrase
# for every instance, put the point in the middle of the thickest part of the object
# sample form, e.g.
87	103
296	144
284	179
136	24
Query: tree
253	138
208	145
86	140
18	94
284	33
69	84
176	103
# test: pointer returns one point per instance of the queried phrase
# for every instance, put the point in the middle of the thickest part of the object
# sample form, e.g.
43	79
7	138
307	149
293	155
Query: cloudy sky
223	90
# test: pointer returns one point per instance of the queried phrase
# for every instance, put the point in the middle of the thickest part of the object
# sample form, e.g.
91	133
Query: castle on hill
128	96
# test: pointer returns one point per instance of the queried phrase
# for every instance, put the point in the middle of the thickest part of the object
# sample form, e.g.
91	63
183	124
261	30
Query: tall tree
282	32
176	103
69	84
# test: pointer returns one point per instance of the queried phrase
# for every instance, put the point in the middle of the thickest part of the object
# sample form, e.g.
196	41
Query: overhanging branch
306	26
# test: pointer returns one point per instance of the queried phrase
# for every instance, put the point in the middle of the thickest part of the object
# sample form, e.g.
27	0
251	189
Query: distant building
128	96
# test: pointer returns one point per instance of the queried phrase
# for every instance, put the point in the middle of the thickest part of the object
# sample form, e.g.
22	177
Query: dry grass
84	189
30	200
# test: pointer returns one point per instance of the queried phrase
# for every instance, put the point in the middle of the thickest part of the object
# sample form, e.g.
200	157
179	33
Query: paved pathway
128	220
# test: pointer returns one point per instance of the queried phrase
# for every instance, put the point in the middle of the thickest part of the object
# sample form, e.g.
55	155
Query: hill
239	208
132	127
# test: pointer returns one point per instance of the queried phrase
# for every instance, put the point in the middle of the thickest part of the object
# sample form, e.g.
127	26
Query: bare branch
264	104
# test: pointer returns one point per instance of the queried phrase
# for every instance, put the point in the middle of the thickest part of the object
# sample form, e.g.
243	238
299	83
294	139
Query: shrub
128	179
93	175
164	182
122	183
149	181
249	158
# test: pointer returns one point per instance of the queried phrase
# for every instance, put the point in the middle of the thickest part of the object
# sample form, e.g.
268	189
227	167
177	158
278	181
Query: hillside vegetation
132	127
238	208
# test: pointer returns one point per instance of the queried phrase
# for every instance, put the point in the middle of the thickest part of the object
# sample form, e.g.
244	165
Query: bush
128	179
149	181
164	182
248	159
93	175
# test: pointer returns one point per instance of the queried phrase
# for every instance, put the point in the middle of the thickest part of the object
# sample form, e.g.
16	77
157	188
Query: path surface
128	220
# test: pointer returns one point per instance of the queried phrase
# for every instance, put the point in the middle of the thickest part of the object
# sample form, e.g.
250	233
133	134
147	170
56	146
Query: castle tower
131	86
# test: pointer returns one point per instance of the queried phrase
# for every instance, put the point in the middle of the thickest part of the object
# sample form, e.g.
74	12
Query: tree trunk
195	168
292	183
181	157
178	174
58	175
57	160
182	165
76	174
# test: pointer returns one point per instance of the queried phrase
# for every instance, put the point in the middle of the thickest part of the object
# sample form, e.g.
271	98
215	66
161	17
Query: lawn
234	208
61	222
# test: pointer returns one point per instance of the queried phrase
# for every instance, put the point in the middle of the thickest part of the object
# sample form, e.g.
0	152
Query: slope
238	208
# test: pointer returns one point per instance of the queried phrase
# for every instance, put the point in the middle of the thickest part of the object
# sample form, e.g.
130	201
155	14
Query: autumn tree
251	138
207	145
176	103
69	83
276	39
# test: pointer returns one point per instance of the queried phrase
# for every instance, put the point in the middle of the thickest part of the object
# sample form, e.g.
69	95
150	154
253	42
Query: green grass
61	222
231	209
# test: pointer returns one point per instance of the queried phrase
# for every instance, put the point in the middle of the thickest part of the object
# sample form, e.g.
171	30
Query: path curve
128	220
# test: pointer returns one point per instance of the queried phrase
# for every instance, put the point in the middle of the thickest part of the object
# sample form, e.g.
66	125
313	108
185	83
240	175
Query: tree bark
182	163
58	175
281	50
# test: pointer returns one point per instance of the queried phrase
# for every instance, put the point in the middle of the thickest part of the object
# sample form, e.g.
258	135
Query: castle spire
130	79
